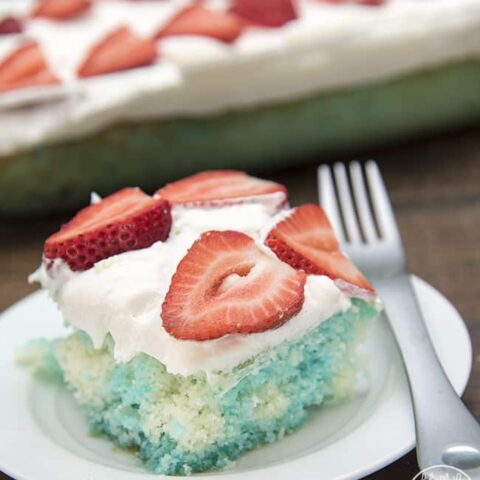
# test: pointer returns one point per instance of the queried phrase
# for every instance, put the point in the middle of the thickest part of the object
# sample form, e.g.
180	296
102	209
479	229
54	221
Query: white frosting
123	295
330	46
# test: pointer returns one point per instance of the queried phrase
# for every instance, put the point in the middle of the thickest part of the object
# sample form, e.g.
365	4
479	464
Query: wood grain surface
435	188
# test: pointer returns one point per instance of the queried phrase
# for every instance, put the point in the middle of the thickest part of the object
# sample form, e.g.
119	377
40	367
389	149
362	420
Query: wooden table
435	189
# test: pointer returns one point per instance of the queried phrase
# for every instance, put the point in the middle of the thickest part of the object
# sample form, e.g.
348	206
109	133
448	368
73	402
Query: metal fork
357	203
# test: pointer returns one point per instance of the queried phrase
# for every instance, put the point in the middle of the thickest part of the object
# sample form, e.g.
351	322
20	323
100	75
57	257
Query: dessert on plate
205	320
96	94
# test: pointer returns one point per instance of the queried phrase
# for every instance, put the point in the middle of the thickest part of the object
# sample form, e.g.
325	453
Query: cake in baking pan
95	94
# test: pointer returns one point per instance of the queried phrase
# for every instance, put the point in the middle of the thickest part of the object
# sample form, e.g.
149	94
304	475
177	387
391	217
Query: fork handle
446	431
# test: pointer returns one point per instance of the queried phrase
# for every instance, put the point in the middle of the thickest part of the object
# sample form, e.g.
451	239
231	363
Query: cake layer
151	152
181	425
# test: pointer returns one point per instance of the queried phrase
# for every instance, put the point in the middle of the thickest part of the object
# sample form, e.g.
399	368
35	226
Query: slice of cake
205	320
97	94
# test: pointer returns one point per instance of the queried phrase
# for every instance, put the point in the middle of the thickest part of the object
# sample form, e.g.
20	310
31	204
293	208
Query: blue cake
206	320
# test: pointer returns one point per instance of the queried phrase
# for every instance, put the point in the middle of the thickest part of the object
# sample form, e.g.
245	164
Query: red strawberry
305	240
267	13
10	25
120	50
217	186
60	9
25	67
226	284
373	3
198	20
126	220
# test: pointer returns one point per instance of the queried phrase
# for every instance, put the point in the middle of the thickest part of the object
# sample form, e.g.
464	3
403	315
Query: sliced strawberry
267	13
217	186
10	25
226	284
43	77
60	9
25	67
120	50
305	240
198	20
126	220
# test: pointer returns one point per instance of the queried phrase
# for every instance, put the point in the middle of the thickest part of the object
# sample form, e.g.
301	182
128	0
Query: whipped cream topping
329	46
123	295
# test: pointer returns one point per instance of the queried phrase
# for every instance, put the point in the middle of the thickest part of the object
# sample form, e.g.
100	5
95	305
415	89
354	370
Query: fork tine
381	202
346	202
328	201
361	200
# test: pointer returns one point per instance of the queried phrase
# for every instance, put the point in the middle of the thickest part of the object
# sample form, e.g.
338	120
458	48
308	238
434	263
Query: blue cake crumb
182	425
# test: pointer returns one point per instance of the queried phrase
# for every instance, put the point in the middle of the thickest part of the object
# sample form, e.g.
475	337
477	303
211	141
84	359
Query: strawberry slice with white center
60	9
266	13
306	241
126	220
198	20
120	50
226	284
25	67
218	187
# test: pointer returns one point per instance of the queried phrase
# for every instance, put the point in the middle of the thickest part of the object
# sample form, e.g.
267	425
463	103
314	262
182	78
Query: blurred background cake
95	95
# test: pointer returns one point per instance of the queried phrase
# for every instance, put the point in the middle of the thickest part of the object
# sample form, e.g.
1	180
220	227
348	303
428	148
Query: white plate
43	436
